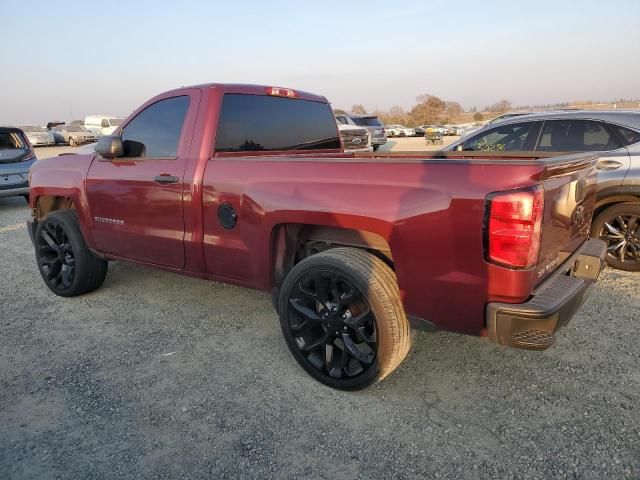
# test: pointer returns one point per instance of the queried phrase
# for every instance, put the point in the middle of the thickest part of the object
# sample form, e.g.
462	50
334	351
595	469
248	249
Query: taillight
280	92
513	227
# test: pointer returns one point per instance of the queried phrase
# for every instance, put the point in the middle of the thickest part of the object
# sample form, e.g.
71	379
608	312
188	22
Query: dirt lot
160	376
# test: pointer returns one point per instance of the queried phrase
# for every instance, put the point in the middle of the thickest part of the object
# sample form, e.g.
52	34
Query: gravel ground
161	376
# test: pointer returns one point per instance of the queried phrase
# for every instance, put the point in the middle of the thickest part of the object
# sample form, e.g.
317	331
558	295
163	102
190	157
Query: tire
72	142
619	227
342	318
65	263
376	147
26	197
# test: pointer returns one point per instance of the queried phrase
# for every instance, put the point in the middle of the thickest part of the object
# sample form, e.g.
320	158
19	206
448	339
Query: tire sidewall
371	375
67	221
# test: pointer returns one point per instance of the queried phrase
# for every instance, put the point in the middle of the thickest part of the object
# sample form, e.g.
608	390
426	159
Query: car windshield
31	129
367	121
114	122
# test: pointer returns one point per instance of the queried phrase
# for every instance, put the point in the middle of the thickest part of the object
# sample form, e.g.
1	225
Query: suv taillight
513	227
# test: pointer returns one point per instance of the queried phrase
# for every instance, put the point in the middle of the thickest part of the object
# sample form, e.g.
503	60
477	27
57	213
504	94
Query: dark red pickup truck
249	185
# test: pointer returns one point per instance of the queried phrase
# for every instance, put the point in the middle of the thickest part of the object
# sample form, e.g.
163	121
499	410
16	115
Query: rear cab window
367	121
263	123
13	147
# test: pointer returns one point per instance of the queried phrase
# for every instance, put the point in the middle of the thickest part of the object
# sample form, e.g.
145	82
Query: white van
102	124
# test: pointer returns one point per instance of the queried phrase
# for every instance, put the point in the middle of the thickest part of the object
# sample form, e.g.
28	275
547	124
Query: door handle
166	179
608	165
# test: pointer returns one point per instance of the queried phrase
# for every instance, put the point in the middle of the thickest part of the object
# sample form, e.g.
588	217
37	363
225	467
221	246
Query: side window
576	136
629	137
253	123
105	123
504	138
155	132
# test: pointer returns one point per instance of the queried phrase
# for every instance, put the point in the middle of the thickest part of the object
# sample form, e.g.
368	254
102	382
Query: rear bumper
14	190
532	325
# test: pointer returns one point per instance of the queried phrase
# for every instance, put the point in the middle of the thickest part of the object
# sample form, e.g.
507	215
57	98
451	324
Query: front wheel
65	263
375	147
619	227
342	318
72	142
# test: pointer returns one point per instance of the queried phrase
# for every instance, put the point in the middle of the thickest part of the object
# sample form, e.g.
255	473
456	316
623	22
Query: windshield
75	128
367	121
31	129
114	122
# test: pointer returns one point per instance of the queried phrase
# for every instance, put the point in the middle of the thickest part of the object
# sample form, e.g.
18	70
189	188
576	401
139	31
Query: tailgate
569	184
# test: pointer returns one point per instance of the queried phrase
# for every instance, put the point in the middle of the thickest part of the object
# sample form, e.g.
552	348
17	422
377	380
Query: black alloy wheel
55	256
342	318
65	263
619	227
332	324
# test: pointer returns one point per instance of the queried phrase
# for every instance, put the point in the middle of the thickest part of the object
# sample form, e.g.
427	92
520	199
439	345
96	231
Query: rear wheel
65	263
342	318
619	227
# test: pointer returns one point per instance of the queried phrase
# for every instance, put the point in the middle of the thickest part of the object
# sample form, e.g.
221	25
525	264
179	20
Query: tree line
430	110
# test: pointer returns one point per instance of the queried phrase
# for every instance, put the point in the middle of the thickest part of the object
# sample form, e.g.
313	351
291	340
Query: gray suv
371	122
614	134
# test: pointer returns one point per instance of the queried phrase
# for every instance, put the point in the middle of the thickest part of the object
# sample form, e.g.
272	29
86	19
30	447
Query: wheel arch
612	200
292	242
45	204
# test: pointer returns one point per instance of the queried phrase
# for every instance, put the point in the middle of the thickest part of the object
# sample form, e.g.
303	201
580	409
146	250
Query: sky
65	60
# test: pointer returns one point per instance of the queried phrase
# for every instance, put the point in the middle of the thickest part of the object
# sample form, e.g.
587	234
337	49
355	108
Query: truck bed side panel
429	212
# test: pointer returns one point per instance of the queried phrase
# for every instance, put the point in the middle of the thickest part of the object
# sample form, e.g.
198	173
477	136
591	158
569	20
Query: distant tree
430	109
358	110
478	117
339	111
453	110
395	114
500	107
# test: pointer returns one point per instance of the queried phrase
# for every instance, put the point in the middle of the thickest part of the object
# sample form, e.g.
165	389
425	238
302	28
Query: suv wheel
342	318
619	227
64	261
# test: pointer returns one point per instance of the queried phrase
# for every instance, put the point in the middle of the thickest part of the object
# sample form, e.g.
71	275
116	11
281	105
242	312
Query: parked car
457	131
38	136
399	131
392	131
419	131
16	157
102	124
615	134
370	122
73	135
248	185
354	139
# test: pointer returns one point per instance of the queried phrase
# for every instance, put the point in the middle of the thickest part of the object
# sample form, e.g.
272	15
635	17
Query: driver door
136	200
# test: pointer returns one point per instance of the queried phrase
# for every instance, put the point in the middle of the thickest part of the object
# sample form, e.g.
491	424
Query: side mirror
109	146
